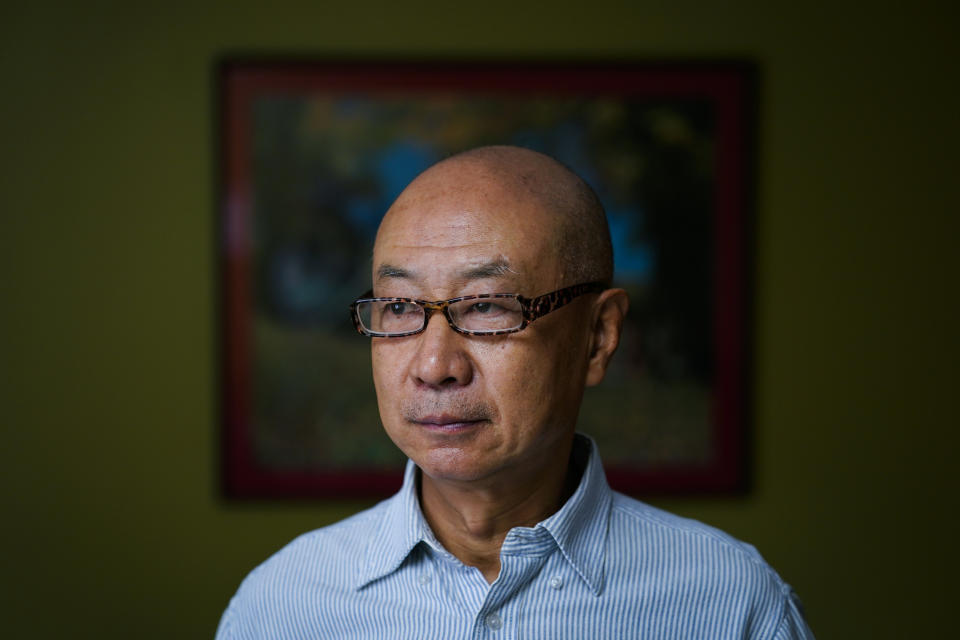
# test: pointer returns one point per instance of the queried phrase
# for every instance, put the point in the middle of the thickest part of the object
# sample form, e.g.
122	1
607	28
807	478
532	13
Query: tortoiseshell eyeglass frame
531	308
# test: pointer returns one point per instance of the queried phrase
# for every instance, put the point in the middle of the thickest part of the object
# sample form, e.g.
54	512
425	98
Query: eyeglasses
488	314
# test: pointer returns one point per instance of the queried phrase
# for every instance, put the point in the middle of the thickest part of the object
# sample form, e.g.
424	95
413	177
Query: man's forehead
446	261
451	227
456	246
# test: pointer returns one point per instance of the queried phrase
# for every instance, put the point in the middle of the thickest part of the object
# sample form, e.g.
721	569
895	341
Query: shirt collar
401	529
579	527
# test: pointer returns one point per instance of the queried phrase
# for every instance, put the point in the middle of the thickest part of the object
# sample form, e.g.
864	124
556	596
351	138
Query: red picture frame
723	90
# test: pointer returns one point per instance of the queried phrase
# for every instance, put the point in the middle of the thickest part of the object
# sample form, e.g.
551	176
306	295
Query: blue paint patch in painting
529	139
634	260
364	214
399	164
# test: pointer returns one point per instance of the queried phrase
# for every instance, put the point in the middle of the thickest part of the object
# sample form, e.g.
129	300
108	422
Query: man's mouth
447	422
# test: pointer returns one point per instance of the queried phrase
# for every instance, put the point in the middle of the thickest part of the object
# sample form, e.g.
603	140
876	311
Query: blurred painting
313	153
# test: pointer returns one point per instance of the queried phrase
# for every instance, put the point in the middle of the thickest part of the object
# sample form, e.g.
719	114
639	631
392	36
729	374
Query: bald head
574	220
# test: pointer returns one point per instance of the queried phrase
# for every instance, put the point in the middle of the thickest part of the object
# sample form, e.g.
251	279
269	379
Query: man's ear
610	310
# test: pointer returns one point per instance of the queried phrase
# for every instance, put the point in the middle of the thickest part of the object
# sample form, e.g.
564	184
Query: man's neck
472	521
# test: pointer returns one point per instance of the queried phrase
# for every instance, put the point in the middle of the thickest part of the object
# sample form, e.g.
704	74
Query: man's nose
440	360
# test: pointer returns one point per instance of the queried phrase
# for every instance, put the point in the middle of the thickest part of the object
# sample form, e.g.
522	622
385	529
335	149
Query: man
505	526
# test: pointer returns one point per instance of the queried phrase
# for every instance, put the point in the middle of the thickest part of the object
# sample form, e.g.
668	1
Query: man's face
469	408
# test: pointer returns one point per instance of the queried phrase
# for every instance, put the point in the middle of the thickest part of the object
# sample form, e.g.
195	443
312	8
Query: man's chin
452	464
454	476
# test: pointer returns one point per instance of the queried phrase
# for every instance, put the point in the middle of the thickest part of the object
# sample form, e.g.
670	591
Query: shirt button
556	582
494	622
423	578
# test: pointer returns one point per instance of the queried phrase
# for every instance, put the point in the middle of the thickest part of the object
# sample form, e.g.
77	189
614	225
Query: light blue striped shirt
604	566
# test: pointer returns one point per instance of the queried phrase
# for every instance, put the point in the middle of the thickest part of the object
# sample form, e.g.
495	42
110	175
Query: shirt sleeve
792	625
228	628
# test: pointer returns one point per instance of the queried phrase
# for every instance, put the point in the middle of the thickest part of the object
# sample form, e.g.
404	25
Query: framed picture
312	153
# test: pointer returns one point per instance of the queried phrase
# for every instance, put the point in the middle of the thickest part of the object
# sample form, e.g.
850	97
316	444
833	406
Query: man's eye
400	308
485	308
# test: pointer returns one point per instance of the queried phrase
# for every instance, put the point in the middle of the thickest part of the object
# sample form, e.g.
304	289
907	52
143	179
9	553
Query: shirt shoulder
333	550
325	560
673	533
691	567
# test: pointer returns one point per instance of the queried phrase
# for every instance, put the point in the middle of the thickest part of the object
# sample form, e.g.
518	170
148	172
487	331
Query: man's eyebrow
390	271
492	269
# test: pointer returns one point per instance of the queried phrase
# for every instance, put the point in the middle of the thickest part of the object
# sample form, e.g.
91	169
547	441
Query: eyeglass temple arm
542	305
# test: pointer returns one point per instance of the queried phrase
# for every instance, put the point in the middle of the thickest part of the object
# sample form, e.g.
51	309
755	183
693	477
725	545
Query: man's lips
447	422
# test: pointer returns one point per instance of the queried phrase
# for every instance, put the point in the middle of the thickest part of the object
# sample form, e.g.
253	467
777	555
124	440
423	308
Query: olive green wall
111	523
